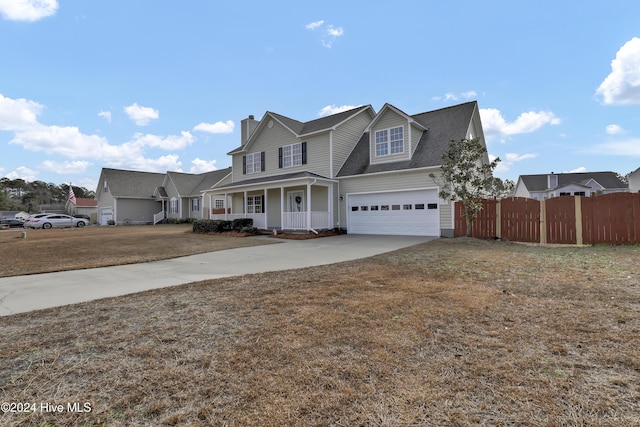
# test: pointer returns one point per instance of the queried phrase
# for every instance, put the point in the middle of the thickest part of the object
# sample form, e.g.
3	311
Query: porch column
226	209
308	206
210	207
282	215
330	206
245	203
264	208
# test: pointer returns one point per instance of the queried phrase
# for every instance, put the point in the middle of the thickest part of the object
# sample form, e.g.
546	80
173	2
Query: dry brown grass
449	333
44	251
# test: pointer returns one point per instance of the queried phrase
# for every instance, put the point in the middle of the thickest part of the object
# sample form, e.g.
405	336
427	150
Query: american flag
72	196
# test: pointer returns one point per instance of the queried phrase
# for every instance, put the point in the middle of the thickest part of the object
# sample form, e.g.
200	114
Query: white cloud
201	166
27	10
329	32
171	142
76	166
18	114
495	124
23	172
106	115
217	127
334	109
450	96
622	85
141	115
579	169
510	158
614	129
335	32
314	25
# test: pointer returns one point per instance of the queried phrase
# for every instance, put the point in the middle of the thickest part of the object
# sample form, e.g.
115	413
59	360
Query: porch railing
320	220
158	217
298	220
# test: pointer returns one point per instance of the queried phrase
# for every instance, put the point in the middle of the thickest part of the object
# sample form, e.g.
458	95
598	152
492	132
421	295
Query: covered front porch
290	204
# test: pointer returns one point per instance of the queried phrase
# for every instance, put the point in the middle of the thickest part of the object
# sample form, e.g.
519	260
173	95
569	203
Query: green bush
211	226
240	223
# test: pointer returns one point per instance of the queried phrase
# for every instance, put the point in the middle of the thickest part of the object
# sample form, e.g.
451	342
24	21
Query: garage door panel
394	213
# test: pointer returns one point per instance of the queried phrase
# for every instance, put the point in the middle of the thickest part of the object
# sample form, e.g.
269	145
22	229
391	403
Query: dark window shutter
262	203
280	157
262	165
244	164
304	153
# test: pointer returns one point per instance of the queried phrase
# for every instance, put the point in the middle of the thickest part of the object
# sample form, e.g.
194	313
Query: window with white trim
254	204
292	155
254	162
195	205
173	206
389	141
219	204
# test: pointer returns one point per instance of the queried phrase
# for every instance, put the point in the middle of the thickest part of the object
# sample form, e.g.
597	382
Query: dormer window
390	141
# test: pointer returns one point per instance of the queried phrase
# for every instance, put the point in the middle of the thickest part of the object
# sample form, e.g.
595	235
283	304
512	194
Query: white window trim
173	206
252	203
292	159
388	147
254	163
195	205
219	202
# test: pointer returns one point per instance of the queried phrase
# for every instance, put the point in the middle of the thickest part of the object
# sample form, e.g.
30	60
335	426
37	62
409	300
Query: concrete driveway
26	293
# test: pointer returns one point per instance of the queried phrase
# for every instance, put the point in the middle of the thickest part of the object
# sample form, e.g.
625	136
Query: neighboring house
545	186
358	170
22	215
134	197
83	206
634	181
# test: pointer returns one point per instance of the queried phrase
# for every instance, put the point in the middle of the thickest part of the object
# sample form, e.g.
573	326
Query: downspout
309	207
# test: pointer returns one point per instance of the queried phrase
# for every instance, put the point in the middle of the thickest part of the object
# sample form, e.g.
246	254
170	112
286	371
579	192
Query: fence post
498	220
543	222
578	205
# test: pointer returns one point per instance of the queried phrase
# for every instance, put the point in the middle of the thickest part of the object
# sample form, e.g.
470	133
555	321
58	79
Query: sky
159	85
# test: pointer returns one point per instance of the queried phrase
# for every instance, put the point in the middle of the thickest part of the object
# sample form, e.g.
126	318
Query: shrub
211	226
240	223
250	230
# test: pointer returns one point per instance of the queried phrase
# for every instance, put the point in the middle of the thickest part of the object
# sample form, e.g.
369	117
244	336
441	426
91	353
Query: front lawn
455	332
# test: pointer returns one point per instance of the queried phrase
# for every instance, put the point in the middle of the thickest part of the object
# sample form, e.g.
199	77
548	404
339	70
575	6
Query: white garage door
408	213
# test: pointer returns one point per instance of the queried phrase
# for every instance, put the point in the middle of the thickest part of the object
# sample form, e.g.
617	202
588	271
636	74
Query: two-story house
357	170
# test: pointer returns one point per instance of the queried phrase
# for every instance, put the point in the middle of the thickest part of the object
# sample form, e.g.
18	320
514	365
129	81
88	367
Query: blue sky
162	85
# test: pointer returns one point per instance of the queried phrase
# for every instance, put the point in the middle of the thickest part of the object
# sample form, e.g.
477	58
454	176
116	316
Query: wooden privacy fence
608	219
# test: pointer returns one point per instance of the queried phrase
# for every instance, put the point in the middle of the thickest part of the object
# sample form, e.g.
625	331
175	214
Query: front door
296	201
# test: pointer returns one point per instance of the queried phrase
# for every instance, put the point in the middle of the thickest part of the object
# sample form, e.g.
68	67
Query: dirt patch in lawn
76	248
453	332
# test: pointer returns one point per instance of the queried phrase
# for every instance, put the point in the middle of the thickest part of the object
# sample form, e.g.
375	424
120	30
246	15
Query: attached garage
410	213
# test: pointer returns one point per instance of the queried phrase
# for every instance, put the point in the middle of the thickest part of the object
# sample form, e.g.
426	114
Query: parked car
27	222
83	216
12	223
58	221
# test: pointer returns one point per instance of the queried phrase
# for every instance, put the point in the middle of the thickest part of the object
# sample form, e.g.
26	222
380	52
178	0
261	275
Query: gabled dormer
393	136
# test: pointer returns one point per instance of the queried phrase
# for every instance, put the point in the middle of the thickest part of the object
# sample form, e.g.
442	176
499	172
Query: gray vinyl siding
416	134
346	137
136	211
398	181
390	119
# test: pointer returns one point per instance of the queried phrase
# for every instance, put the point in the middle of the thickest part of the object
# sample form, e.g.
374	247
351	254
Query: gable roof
442	126
189	184
127	183
605	179
301	129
